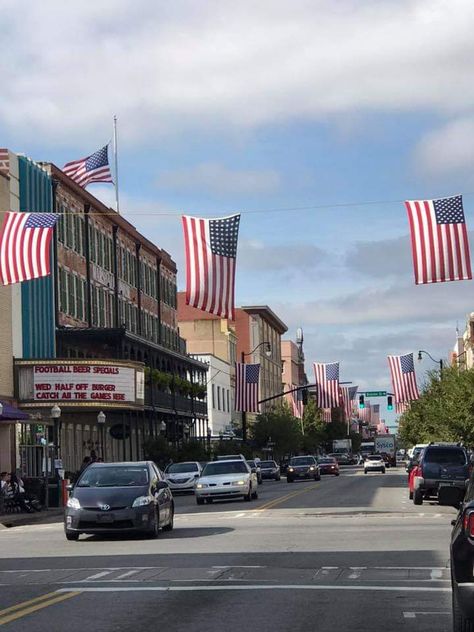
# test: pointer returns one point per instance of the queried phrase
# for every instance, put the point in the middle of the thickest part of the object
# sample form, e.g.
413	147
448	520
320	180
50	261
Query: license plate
105	517
302	474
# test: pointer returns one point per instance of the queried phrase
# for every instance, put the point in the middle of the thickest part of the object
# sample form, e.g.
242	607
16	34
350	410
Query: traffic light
389	402
361	401
304	396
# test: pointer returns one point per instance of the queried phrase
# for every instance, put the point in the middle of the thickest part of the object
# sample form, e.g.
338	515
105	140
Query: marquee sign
79	383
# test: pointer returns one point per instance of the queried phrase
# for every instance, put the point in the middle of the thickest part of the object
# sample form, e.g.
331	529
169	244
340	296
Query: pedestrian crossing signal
361	401
389	402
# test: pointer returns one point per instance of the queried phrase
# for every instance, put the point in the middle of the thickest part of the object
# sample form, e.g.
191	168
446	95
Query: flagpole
117	206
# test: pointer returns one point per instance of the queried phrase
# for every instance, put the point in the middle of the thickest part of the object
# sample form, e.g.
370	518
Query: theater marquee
80	383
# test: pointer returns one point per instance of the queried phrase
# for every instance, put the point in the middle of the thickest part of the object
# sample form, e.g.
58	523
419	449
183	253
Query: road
347	553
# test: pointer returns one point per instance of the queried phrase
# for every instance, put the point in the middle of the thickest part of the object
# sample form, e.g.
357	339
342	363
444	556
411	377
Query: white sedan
181	477
374	463
222	480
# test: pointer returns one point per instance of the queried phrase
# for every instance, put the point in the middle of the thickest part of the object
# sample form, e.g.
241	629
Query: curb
21	520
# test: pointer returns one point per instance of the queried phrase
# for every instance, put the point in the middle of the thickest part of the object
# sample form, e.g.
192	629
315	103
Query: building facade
220	396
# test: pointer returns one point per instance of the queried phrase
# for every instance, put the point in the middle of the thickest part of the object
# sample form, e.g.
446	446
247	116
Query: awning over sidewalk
11	413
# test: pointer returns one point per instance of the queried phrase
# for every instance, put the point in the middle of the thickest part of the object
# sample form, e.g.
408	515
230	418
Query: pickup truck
440	465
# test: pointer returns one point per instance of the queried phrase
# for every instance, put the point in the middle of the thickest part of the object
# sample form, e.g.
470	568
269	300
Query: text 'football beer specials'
83	383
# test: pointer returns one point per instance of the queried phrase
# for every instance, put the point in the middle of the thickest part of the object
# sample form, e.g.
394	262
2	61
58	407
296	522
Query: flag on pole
401	407
403	377
211	251
25	240
348	394
440	246
365	414
93	168
327	416
327	384
296	403
4	161
375	415
246	387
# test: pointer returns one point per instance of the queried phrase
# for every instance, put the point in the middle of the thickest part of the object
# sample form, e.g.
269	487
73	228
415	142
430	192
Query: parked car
374	463
181	477
270	469
343	458
415	456
119	498
302	467
328	465
222	480
440	464
255	465
461	553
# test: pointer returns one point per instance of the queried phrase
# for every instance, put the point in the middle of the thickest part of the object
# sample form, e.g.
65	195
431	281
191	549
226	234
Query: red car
415	471
328	465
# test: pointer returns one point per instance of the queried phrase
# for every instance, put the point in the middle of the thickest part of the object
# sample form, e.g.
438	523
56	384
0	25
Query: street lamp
209	435
420	358
162	427
101	422
186	430
268	352
55	415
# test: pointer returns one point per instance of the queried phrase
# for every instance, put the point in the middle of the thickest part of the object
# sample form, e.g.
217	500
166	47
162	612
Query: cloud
447	149
381	259
167	68
280	258
215	178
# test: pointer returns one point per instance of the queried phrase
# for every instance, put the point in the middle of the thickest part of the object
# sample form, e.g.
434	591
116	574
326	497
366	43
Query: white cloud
216	178
449	148
174	67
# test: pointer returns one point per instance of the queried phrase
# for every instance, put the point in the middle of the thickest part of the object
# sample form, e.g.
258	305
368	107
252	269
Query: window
101	303
95	319
79	298
218	398
71	295
63	290
69	219
92	243
213	397
78	228
61	230
228	401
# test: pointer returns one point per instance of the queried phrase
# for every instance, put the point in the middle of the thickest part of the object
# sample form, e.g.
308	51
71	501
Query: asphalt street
347	553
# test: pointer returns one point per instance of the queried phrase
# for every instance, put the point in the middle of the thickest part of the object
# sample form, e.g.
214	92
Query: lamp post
209	435
423	352
186	430
55	415
268	353
162	427
101	422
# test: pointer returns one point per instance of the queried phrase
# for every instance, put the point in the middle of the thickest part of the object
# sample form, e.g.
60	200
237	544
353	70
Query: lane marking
97	576
127	574
23	604
22	610
282	499
413	615
258	587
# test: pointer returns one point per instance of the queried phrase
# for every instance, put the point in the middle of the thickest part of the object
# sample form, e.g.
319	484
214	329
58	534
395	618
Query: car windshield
225	467
110	476
302	460
267	464
328	460
179	468
252	463
446	456
374	457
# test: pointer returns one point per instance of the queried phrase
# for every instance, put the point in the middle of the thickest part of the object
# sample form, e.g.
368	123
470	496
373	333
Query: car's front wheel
248	496
410	495
155	528
365	471
417	497
170	525
289	480
72	536
199	501
460	623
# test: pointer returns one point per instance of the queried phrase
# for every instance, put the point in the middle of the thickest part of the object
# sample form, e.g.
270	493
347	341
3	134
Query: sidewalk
40	517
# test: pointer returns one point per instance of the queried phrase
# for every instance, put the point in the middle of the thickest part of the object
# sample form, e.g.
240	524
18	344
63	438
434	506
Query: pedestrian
85	463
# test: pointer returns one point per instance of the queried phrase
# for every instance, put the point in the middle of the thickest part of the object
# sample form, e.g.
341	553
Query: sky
316	119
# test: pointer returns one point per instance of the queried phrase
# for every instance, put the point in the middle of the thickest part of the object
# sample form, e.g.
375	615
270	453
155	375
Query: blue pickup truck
441	464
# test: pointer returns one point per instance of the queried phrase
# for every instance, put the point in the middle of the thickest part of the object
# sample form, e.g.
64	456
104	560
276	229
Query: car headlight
312	467
142	501
73	503
239	482
201	485
290	469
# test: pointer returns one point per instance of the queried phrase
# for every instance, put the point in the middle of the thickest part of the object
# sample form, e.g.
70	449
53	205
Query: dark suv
462	555
440	465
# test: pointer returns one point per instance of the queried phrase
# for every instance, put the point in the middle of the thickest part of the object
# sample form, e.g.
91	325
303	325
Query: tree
445	410
281	428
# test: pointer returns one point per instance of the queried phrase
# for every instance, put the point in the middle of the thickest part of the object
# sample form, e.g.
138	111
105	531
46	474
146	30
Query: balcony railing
173	401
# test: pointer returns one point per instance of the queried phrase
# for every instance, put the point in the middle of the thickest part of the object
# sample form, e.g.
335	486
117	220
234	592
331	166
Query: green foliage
282	427
158	449
444	412
232	447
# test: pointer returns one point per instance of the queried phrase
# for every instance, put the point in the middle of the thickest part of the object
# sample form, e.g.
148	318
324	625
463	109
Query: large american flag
439	240
327	415
365	414
375	415
348	394
246	387
93	168
401	407
211	251
327	384
296	402
403	377
4	161
25	241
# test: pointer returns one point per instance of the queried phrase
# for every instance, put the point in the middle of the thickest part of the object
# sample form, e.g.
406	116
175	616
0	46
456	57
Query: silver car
221	480
181	477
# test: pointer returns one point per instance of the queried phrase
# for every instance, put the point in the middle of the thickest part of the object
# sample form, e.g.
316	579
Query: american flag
375	414
327	384
4	161
348	394
401	407
439	240
25	246
211	251
365	414
93	168
403	377
246	387
327	415
296	403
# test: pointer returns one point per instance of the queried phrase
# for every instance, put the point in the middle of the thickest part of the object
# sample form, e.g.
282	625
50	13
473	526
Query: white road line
436	573
96	576
354	575
127	574
291	587
413	615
